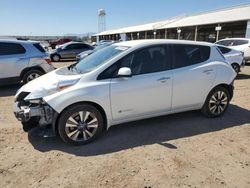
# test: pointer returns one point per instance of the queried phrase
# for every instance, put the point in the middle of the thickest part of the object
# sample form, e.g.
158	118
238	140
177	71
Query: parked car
54	43
84	54
22	61
125	82
240	44
234	57
69	51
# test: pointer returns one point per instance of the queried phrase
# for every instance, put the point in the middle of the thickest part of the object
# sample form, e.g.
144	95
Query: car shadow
9	90
158	130
242	76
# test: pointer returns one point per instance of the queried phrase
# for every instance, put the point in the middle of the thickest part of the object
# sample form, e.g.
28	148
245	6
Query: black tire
55	58
209	105
236	67
31	75
82	132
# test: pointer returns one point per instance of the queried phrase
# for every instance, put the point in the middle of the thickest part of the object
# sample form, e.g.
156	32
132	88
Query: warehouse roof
212	17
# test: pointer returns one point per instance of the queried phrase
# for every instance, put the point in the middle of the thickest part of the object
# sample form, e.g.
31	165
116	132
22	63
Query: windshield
98	58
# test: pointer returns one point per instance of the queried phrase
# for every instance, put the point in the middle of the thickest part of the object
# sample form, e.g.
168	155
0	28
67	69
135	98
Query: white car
240	44
234	57
125	82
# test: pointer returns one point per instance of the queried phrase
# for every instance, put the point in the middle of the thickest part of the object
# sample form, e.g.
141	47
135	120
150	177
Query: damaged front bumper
33	114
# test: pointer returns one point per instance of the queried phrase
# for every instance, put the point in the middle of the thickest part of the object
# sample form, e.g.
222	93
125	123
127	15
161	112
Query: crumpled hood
49	83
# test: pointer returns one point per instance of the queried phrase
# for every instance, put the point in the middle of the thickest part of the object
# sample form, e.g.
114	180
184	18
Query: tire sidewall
72	110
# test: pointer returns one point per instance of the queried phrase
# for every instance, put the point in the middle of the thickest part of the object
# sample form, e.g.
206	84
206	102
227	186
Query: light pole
154	34
179	33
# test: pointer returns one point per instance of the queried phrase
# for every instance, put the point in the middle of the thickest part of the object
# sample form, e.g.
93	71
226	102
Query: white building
209	26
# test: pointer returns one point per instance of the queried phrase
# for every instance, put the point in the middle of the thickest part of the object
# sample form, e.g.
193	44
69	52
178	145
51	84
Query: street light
179	33
154	34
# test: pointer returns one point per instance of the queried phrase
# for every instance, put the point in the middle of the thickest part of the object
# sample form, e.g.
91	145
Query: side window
150	60
240	42
186	55
11	48
112	71
224	50
71	47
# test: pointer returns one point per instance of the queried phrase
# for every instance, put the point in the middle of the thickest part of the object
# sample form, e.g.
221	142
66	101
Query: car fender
97	93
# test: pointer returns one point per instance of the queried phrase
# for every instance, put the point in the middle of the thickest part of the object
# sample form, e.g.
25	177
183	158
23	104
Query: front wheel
80	124
216	102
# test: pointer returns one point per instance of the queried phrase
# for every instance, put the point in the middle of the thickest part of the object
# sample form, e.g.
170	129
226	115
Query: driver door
148	91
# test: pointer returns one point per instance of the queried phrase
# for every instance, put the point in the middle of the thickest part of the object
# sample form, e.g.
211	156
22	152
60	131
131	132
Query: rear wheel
216	102
31	75
80	124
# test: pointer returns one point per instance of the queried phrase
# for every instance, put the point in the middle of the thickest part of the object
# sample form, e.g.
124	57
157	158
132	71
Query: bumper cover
43	113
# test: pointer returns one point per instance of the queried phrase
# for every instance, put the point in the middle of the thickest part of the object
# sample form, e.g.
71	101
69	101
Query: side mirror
124	72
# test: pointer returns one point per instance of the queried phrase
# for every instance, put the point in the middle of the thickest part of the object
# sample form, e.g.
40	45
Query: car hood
49	83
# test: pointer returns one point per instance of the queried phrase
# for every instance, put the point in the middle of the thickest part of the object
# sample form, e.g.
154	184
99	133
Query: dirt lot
182	150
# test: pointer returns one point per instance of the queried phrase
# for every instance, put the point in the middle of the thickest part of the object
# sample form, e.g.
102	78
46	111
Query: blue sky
59	17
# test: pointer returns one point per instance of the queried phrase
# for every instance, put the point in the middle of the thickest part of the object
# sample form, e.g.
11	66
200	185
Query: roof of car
18	41
234	39
134	43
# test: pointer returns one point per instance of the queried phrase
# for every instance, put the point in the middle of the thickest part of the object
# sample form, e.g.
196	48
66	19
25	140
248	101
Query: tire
31	75
236	67
80	124
216	103
55	58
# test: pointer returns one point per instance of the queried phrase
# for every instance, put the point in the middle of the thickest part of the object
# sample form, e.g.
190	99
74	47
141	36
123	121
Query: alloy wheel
218	103
32	76
81	126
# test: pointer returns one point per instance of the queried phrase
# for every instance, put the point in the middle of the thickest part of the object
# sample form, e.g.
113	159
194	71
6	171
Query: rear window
186	55
224	50
240	42
39	47
225	42
11	48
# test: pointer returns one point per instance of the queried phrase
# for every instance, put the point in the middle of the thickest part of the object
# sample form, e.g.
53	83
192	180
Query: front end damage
33	113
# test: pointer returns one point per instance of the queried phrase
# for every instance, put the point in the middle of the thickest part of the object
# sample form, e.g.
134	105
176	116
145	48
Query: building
209	26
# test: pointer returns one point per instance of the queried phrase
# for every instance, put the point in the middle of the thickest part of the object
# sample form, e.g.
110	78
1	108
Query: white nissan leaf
125	82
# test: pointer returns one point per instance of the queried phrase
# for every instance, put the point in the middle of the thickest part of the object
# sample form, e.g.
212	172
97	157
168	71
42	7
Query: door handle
163	79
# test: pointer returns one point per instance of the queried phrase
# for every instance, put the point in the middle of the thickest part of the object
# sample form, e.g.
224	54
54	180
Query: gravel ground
181	150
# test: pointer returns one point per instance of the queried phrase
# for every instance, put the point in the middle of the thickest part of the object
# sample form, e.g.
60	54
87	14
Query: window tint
240	42
148	60
186	55
11	48
39	47
224	50
71	47
225	42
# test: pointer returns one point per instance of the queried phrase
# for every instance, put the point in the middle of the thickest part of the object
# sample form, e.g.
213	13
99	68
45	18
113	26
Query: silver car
69	51
22	61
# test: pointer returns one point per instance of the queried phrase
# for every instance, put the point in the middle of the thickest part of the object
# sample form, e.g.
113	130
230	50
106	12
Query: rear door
13	59
193	75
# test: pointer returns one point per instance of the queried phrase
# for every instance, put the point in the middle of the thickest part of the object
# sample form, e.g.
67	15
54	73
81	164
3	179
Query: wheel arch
99	107
31	68
229	87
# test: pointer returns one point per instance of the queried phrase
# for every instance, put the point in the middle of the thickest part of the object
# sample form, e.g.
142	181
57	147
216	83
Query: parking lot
181	150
